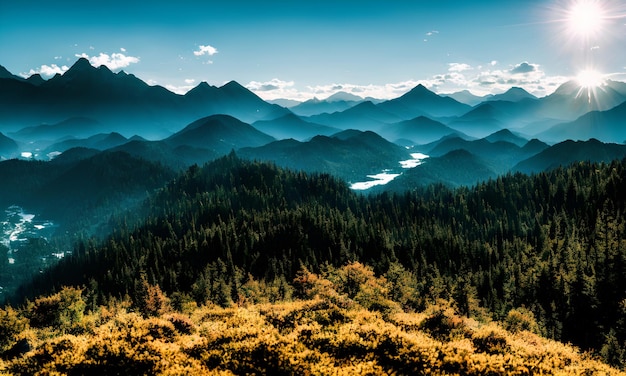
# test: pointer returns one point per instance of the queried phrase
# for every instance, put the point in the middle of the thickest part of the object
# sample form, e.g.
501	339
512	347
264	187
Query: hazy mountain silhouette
570	101
8	147
568	152
220	134
363	116
607	126
292	126
500	155
455	168
350	154
422	102
514	94
102	141
508	136
420	130
73	127
466	97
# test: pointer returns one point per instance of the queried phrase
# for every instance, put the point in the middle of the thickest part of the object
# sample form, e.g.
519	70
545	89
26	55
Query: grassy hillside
346	321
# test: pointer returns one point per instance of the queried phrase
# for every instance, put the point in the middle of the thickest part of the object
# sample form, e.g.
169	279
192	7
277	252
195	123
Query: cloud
524	67
122	49
47	70
114	61
431	33
484	80
273	89
459	67
206	50
190	81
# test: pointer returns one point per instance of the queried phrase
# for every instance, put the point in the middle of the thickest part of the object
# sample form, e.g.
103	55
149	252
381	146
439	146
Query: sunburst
586	18
589	82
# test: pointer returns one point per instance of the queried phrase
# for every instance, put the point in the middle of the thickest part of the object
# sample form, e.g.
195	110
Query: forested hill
554	243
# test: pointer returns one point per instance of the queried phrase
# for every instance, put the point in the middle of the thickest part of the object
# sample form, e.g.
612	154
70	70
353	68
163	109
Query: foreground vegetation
551	247
344	321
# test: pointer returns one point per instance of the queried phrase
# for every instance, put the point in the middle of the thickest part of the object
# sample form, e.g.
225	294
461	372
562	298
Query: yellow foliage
315	336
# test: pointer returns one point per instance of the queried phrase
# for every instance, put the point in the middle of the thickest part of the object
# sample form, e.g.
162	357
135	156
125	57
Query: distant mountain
465	96
287	103
422	102
420	130
508	136
72	127
364	116
342	96
534	147
456	168
568	152
219	134
500	155
315	106
99	142
231	99
123	103
571	101
350	155
292	126
8	147
606	126
5	74
481	121
514	94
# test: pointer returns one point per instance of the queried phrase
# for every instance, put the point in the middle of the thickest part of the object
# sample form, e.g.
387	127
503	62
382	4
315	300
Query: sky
300	49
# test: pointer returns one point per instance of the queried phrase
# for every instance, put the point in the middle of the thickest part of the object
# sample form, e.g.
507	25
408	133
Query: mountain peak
343	96
4	73
81	64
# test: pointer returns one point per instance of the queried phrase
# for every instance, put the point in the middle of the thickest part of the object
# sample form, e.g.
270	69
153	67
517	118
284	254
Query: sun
586	17
590	79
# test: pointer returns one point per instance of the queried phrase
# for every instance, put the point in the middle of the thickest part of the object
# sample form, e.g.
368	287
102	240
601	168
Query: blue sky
300	49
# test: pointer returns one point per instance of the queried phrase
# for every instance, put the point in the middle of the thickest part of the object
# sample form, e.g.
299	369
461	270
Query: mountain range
344	134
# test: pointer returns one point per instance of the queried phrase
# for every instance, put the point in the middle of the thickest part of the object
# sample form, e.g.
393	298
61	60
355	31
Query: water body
387	175
24	244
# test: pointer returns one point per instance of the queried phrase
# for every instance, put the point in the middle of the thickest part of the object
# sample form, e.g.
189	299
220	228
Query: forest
546	250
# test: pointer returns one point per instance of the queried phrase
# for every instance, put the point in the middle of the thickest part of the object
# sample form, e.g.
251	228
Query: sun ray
590	81
586	18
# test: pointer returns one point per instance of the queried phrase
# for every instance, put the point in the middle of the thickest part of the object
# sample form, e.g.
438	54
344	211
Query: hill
568	152
453	169
606	126
292	126
349	155
364	116
8	147
219	134
420	130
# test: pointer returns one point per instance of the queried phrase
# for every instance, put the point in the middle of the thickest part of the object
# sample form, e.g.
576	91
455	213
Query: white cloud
493	63
190	81
114	61
122	49
206	50
279	89
459	67
486	80
47	70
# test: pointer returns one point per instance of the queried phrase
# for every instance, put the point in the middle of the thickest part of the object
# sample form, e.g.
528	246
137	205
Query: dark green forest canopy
554	242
